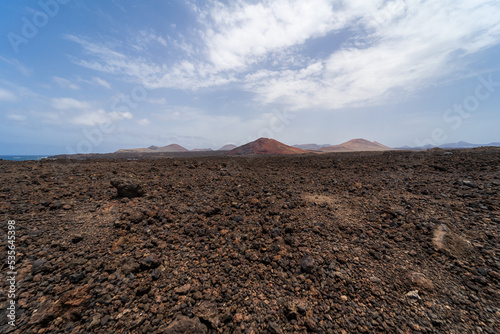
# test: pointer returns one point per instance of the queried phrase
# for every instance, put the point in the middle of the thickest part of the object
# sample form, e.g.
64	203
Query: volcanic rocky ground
402	242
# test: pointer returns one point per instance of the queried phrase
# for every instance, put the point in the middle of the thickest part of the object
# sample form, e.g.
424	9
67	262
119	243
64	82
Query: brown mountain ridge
356	145
265	146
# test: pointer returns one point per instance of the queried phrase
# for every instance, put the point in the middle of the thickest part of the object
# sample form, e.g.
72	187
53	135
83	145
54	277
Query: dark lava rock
150	262
69	306
156	274
307	264
274	328
39	265
207	311
142	289
127	188
77	277
182	290
482	271
76	238
56	205
363	251
185	325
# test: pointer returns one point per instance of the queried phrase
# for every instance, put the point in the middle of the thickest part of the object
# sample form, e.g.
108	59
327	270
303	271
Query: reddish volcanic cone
265	146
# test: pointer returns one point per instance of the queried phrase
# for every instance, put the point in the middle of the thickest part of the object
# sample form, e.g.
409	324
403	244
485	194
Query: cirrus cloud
100	116
67	103
369	51
7	96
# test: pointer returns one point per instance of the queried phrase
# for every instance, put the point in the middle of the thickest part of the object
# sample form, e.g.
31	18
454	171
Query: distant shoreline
23	157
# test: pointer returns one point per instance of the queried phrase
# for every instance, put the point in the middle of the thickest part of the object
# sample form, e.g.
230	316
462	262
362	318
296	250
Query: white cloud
379	47
404	52
96	81
100	116
16	117
145	39
101	82
50	117
6	95
66	103
240	34
17	64
110	61
115	116
65	83
144	122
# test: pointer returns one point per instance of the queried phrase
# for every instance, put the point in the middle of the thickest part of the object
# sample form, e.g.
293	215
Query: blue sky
97	76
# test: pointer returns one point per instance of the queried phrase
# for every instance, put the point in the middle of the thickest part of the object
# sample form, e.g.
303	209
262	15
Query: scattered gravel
402	242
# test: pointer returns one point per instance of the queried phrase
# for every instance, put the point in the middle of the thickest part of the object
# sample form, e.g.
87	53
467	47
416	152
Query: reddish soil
381	242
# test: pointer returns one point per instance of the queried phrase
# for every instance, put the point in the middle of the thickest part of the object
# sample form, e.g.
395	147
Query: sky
97	76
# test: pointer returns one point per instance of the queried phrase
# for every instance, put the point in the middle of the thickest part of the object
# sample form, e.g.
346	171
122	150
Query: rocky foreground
402	242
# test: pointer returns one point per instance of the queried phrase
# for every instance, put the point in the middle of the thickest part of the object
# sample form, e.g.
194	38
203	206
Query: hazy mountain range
172	148
271	146
460	144
261	146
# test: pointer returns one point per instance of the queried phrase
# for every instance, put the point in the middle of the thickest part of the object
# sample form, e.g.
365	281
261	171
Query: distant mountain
311	147
201	150
356	145
406	147
463	144
227	147
155	149
265	146
460	144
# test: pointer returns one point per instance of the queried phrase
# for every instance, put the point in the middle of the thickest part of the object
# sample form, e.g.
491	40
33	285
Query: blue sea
22	157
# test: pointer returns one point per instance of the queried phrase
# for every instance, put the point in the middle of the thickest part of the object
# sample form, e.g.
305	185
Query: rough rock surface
337	243
127	188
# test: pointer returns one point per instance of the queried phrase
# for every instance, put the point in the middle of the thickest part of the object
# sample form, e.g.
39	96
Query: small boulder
307	264
274	328
151	262
76	238
182	290
183	325
208	312
413	294
127	188
39	265
419	280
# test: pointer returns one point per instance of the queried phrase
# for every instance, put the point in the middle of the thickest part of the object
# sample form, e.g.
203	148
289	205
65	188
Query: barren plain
380	242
